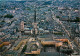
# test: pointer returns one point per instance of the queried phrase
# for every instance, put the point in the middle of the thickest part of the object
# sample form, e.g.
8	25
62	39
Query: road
58	21
63	27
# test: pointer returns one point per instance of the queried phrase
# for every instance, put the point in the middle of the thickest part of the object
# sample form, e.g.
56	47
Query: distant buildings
23	18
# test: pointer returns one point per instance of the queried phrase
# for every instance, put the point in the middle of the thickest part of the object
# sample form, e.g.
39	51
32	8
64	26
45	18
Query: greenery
60	12
8	16
70	51
3	21
24	48
57	17
49	9
75	20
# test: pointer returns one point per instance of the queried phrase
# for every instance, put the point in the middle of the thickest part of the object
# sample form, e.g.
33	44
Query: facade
22	25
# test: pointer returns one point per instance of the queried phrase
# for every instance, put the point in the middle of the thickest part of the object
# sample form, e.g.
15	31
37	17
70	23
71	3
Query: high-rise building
35	30
22	25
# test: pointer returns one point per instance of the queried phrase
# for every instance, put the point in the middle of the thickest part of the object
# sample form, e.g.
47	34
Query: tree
77	19
24	48
8	16
3	21
68	52
57	17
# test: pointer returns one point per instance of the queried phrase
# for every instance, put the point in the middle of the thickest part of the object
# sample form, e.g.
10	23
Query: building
22	25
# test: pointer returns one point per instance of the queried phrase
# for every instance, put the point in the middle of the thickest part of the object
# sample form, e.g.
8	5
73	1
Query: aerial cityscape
39	27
